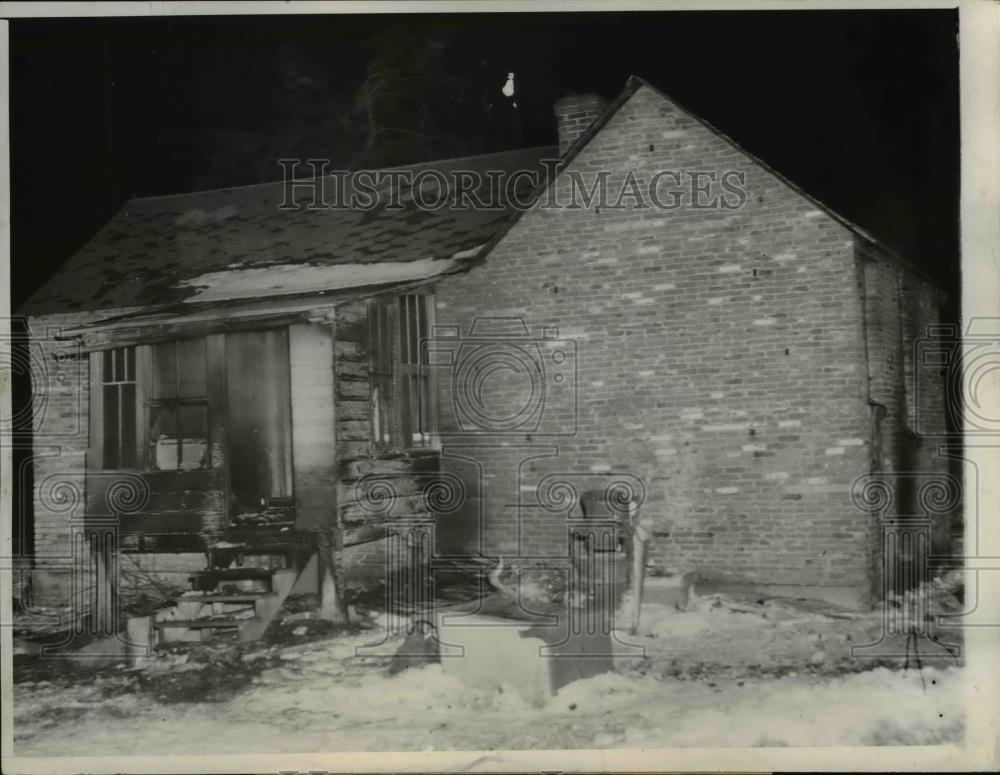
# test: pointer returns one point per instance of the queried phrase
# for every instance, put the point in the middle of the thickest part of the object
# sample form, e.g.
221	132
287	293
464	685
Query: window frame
176	404
97	434
142	357
387	309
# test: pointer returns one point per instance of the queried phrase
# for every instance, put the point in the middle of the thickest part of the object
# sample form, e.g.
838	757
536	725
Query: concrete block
534	658
667	590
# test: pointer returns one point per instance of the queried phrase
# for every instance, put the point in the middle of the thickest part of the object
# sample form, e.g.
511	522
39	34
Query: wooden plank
400	487
215	354
353	410
365	533
352	322
354	430
162	543
179	481
142	381
357	469
352	370
347	351
95	452
353	450
167	522
97	339
188	500
314	448
406	506
352	390
192	491
426	461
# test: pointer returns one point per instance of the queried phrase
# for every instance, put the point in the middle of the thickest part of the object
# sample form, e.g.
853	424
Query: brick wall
60	376
907	395
719	359
574	116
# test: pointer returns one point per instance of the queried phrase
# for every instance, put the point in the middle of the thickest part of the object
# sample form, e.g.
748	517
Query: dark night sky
858	108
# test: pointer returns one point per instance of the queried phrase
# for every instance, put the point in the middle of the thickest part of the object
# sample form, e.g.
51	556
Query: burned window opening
259	426
402	396
178	406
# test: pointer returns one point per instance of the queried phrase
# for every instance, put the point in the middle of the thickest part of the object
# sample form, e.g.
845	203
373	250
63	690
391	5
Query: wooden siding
376	489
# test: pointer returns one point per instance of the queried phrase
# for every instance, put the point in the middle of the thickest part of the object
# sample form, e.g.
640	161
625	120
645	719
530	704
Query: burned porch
254	416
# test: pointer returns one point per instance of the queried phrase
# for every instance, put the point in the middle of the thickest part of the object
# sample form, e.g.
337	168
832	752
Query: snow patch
468	253
305	278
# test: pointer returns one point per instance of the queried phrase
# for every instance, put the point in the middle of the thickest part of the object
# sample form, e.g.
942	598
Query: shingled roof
239	243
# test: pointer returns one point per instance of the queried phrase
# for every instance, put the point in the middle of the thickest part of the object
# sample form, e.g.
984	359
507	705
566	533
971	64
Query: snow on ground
720	674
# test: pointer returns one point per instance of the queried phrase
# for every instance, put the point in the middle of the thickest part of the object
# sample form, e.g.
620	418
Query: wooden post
104	578
331	534
640	541
331	592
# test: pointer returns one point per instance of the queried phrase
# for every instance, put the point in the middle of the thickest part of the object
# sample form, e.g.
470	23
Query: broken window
402	395
118	386
178	406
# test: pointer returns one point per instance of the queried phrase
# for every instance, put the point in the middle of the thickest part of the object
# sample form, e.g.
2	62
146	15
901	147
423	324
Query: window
414	385
194	403
118	386
178	406
383	352
402	394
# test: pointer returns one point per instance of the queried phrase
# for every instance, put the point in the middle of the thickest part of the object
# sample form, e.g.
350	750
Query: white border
272	8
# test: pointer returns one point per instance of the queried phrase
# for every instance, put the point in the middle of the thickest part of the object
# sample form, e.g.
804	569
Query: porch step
248	622
286	548
207	580
239	535
214	622
229	574
227	597
287	554
263	547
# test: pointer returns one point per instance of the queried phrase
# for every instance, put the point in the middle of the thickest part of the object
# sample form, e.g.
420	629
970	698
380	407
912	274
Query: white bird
508	88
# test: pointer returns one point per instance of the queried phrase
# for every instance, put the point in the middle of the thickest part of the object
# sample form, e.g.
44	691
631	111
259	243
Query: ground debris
708	675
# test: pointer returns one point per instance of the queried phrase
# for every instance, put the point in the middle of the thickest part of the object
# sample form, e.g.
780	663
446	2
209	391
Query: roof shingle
158	251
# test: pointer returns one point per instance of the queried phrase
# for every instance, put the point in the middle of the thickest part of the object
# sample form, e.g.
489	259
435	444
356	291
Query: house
662	318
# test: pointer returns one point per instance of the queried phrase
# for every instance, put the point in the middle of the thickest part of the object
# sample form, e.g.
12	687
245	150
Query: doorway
259	430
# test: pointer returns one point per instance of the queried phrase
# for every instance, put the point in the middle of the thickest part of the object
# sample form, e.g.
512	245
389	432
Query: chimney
575	113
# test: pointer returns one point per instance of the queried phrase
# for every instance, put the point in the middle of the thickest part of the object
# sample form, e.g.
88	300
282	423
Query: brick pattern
574	116
907	391
720	358
60	381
